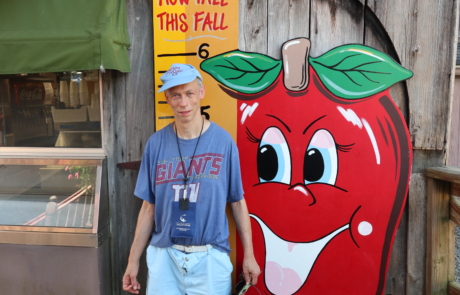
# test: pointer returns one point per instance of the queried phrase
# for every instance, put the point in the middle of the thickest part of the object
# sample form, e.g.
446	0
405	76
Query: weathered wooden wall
420	34
454	142
128	123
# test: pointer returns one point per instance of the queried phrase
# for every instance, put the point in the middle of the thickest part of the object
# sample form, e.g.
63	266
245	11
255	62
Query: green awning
63	35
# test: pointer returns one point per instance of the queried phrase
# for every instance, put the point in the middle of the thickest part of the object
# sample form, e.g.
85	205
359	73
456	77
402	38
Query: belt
191	249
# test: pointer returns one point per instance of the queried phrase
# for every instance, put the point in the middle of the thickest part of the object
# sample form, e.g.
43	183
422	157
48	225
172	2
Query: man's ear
202	91
166	97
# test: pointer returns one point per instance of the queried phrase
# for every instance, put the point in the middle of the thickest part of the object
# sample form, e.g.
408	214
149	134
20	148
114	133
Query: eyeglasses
241	287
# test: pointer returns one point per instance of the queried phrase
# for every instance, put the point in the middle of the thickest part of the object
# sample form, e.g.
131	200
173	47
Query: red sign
325	161
28	93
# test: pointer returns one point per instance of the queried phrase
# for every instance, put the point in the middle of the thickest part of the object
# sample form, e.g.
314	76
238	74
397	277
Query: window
59	110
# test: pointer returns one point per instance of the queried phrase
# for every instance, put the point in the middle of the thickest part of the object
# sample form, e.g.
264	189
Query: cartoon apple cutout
325	159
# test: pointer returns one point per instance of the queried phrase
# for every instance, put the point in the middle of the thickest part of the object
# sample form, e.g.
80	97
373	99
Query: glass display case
41	199
54	225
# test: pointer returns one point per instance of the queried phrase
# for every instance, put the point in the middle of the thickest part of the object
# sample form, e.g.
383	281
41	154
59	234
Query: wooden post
453	156
416	235
440	259
439	237
128	123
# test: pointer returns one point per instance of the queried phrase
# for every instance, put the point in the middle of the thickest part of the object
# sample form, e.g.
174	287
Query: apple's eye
320	162
273	157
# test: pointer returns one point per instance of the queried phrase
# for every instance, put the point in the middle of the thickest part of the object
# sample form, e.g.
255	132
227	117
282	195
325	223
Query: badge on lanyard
184	220
184	204
184	212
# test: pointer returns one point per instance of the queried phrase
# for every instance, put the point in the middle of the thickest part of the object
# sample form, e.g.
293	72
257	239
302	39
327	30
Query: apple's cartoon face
325	174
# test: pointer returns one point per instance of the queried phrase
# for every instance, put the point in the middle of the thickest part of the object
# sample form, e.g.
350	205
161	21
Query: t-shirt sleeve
236	186
145	179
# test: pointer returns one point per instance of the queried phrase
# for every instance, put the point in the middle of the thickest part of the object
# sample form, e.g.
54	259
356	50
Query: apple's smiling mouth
288	264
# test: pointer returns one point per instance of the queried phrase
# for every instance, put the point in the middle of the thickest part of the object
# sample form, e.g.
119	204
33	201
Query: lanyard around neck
182	160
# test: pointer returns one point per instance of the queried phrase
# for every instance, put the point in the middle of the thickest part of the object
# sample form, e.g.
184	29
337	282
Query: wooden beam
286	20
406	24
253	30
334	23
453	152
440	238
377	37
455	189
447	173
454	288
416	236
128	122
455	210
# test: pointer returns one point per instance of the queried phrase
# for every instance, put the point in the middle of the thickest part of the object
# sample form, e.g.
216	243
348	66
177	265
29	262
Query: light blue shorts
172	272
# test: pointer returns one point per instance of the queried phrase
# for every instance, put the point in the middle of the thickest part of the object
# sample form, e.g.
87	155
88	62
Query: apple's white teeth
287	264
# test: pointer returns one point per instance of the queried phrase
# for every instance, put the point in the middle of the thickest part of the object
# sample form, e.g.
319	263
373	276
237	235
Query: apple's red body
315	165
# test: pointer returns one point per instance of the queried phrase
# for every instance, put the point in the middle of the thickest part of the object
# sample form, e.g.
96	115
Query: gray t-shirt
215	179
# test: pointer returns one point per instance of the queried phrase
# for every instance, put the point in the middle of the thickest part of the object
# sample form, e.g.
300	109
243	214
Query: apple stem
295	55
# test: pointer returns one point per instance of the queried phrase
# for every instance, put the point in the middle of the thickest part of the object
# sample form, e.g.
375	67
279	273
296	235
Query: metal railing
52	215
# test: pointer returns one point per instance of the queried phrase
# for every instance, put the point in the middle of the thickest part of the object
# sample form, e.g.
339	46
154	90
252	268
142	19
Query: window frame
60	152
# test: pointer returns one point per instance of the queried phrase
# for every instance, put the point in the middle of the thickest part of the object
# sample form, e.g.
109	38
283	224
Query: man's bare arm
144	228
251	269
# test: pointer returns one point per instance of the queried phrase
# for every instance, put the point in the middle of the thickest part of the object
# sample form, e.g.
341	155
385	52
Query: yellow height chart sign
190	31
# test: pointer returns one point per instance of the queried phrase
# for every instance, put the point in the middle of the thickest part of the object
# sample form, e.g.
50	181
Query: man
189	172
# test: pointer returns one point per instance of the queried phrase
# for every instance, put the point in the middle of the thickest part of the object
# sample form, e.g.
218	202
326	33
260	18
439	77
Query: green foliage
357	71
350	71
86	175
244	72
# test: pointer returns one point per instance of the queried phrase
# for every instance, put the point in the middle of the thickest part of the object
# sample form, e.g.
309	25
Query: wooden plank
415	42
454	288
128	122
453	153
334	23
440	238
252	35
396	276
447	173
455	210
404	264
139	114
427	158
376	36
286	20
416	238
110	147
370	3
455	189
139	83
115	143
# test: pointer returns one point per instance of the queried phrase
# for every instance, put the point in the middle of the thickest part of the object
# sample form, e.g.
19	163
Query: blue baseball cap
178	74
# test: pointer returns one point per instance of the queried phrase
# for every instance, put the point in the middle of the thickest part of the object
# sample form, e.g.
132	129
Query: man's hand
143	230
251	270
130	282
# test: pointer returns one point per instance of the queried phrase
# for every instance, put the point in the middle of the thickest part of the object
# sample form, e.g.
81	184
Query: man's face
185	101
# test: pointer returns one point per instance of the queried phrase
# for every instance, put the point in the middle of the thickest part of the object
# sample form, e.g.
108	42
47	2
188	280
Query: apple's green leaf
357	71
242	71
